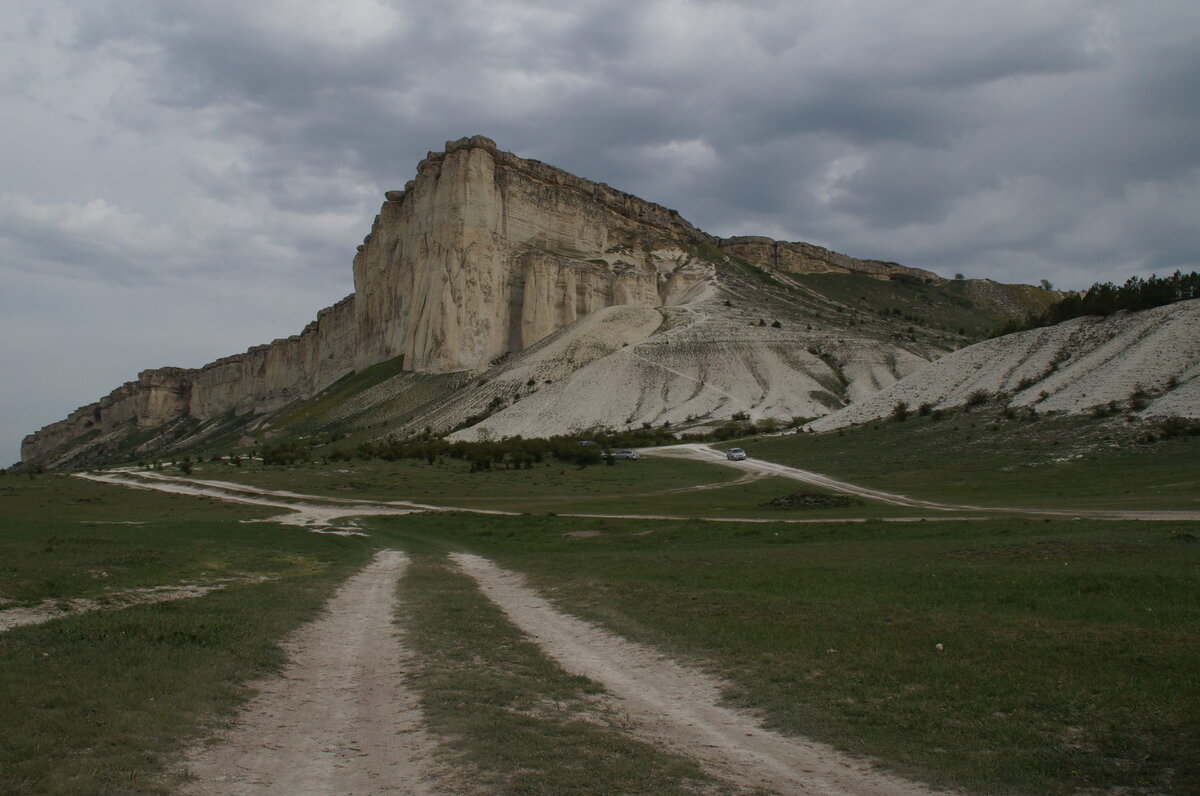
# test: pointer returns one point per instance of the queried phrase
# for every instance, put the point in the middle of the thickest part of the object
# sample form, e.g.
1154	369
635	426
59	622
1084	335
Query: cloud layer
223	158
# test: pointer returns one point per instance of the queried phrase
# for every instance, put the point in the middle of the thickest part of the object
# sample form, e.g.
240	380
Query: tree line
511	452
1105	298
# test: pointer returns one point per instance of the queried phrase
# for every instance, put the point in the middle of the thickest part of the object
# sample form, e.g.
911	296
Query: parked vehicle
626	454
736	455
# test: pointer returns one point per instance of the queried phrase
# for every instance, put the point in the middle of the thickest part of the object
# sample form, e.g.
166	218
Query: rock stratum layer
485	254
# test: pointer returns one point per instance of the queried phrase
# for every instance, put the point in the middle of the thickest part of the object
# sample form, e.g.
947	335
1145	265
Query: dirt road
317	512
677	706
338	719
706	453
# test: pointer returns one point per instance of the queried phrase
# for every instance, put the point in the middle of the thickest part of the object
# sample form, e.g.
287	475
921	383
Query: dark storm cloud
844	123
240	149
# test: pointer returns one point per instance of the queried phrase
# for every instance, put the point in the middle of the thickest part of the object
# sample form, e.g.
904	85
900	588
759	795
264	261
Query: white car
736	455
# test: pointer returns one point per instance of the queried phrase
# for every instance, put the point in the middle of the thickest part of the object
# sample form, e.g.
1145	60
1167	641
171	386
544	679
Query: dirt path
303	510
678	706
338	719
316	512
705	453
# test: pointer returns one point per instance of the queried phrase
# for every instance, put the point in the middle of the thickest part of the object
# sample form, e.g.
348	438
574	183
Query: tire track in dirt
678	706
338	719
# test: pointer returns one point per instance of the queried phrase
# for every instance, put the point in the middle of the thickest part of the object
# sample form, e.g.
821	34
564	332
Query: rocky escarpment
485	254
805	258
265	377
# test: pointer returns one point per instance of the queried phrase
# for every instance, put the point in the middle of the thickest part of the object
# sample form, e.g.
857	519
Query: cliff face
264	378
481	255
156	397
485	254
270	376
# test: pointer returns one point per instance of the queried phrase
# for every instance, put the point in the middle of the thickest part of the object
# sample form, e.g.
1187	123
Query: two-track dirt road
677	706
339	719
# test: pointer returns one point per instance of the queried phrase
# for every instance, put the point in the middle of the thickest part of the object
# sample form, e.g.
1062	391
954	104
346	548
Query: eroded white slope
615	370
1070	367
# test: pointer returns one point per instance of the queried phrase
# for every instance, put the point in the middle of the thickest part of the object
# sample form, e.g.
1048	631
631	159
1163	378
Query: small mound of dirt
811	500
582	534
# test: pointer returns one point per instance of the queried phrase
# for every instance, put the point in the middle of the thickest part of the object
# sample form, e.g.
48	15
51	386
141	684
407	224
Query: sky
183	180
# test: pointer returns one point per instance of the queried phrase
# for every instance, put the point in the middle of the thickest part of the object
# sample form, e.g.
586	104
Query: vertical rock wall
482	254
270	376
485	253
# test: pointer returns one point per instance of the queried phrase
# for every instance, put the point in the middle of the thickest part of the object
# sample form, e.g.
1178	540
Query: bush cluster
1178	427
286	453
510	453
740	426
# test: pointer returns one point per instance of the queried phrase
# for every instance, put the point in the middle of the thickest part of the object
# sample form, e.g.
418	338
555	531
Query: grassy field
1068	648
98	702
1067	658
649	486
1057	462
900	304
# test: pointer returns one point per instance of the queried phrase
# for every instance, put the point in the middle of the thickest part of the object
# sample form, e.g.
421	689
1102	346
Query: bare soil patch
112	601
338	719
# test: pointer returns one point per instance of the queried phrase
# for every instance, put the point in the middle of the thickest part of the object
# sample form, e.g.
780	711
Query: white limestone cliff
482	255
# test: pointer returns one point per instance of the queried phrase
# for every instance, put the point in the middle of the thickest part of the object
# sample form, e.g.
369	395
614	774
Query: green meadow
652	485
100	702
981	457
1004	655
1067	658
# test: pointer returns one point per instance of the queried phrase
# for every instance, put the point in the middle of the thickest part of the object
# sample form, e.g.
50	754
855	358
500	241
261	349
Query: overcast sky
182	180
